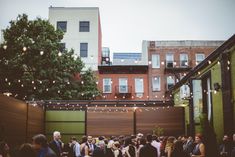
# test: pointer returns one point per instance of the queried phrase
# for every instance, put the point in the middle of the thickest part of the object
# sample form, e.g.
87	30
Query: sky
126	23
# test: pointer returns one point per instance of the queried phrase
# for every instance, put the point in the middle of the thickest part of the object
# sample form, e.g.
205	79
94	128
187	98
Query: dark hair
154	137
41	140
26	150
142	141
178	146
84	139
149	138
128	141
73	138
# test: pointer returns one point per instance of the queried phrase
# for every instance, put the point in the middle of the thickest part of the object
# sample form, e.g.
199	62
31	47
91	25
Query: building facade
169	61
212	92
82	32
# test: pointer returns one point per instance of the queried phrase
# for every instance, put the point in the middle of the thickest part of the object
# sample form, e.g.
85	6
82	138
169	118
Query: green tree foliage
33	68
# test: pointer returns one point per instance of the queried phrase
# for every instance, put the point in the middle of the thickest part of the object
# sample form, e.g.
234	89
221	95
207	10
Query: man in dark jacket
56	144
148	150
41	146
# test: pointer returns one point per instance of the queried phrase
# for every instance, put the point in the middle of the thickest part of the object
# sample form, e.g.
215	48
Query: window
199	57
62	25
170	81
169	60
184	91
107	86
62	47
183	60
139	87
84	26
155	61
156	83
123	85
83	49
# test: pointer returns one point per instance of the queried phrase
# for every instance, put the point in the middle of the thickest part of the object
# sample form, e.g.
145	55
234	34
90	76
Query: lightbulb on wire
5	47
24	48
59	54
41	53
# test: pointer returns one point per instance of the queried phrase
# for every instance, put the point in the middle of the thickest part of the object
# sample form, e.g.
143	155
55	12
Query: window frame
159	85
84	28
110	84
57	24
82	51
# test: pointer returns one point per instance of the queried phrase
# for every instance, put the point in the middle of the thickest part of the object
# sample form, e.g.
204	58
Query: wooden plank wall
170	119
109	123
16	127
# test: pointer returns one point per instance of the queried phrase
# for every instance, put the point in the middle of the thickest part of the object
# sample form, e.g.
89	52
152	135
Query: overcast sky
125	23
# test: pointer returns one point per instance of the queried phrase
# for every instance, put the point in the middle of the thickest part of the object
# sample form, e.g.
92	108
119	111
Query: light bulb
41	53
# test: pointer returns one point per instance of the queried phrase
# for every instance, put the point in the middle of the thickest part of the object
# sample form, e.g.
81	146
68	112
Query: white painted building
82	29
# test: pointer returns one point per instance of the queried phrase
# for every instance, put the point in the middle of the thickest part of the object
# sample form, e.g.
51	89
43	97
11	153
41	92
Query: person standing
90	145
56	144
75	147
199	149
156	144
226	147
84	148
148	150
41	147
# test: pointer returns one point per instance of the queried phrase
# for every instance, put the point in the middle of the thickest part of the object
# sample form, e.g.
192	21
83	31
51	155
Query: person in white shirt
156	144
76	147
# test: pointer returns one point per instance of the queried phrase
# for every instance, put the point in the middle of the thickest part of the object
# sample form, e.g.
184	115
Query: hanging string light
41	53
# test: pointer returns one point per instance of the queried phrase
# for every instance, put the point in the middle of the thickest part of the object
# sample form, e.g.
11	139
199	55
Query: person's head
89	139
26	150
56	135
94	141
73	140
225	138
101	144
116	145
140	135
198	138
233	137
84	139
39	141
4	148
149	138
178	146
154	138
128	141
142	141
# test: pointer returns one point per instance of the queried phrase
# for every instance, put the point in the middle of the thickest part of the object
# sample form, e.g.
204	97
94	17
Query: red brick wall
131	82
191	51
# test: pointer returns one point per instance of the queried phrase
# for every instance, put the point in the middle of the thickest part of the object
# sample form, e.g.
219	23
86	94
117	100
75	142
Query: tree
33	66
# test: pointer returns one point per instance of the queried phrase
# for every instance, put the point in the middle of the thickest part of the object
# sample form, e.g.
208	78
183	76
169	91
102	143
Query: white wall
73	37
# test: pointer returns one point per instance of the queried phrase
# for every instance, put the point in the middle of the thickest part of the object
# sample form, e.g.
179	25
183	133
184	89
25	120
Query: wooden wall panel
13	121
35	121
170	119
109	123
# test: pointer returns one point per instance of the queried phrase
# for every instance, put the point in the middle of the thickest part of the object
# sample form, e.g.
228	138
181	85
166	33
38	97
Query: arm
77	151
86	151
202	150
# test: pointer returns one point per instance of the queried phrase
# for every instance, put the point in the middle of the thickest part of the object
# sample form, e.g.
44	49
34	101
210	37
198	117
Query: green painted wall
69	123
233	79
217	102
182	103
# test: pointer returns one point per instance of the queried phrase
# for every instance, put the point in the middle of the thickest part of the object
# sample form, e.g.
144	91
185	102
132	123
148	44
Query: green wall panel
217	102
65	127
233	79
65	116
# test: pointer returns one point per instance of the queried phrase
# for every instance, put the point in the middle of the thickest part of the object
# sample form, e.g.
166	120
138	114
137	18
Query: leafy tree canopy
33	66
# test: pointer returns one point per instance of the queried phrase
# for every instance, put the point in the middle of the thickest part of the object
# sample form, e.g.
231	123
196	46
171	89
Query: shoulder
50	153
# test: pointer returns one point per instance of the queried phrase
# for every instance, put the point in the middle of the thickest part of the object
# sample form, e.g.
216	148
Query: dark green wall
69	123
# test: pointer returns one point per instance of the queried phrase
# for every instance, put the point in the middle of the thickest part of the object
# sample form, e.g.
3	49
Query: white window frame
167	82
155	61
156	87
199	54
171	59
139	90
184	91
182	59
109	84
123	85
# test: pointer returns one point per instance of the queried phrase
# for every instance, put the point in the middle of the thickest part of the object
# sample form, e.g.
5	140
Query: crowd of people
122	146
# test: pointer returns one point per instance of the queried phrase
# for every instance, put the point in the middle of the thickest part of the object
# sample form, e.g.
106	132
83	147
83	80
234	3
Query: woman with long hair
199	149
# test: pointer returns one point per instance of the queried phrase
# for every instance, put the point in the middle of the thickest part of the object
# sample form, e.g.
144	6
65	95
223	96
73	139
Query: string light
24	48
47	89
150	62
218	62
41	53
59	54
5	47
209	62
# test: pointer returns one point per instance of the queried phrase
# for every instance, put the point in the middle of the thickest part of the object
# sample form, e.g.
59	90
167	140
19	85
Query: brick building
169	61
